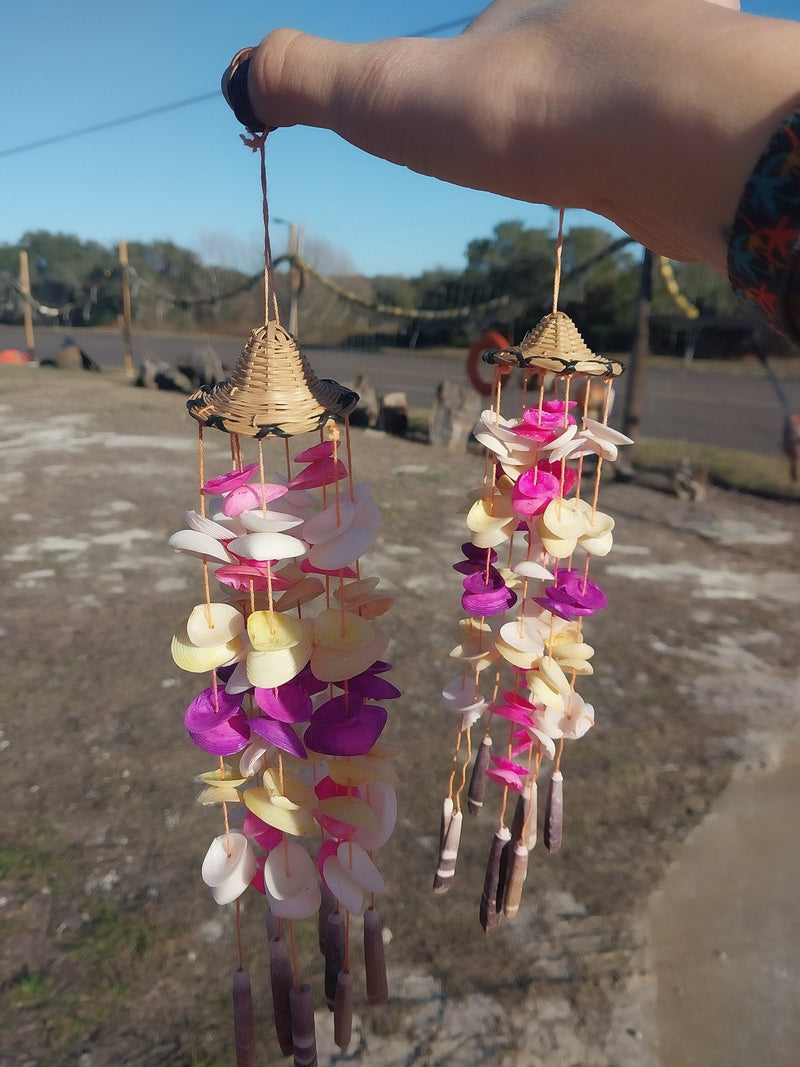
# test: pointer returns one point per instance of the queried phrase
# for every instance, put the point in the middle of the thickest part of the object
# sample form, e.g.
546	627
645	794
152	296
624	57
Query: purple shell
279	734
487	598
290	702
345	726
227	738
205	713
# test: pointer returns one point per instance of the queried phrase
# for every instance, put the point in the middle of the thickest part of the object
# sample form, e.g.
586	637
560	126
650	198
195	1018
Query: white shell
202	524
263	546
227	876
250	759
194	543
343	886
290	879
356	862
528	568
459	695
257	522
382	799
329	523
368	513
341	550
238	681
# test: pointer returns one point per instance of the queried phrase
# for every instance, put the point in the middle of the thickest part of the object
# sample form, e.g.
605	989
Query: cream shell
349	810
362	770
270	669
214	624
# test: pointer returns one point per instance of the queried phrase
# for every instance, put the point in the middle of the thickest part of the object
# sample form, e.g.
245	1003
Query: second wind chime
532	530
288	633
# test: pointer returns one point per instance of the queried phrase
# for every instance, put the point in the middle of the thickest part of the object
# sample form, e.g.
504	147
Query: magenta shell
309	568
504	764
224	483
257	881
250	497
518	711
325	788
321	472
505	778
264	834
315	452
533	491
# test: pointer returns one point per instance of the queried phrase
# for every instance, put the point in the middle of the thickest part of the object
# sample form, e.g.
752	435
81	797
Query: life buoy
491	339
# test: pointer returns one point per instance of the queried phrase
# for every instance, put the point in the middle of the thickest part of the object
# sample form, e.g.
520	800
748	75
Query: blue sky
183	175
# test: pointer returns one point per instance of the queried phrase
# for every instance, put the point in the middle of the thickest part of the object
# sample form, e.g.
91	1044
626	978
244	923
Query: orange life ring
491	339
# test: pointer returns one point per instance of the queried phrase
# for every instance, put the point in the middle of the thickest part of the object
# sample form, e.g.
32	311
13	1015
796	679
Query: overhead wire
152	112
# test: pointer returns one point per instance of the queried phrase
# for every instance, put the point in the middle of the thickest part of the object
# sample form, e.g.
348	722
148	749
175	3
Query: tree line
506	284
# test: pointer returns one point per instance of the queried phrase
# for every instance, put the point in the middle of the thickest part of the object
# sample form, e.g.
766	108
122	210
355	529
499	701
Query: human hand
650	112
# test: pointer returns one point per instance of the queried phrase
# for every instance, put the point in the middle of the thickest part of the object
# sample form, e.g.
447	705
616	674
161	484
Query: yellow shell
349	810
280	812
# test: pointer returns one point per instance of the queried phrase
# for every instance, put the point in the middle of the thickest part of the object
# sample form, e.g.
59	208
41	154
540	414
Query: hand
650	112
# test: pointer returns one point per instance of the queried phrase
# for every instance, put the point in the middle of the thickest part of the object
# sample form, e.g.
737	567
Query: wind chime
533	527
294	709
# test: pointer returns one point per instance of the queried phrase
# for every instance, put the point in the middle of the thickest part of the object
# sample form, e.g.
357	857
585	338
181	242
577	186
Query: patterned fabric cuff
764	245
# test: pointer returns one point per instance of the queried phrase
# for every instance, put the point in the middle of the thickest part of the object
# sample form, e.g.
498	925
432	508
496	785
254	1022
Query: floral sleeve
764	245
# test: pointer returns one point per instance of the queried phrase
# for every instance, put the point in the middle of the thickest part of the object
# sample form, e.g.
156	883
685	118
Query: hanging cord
559	249
257	144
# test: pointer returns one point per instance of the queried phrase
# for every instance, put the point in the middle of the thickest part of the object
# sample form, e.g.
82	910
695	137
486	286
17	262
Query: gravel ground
112	950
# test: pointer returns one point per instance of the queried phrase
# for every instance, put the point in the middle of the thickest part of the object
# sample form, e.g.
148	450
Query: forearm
649	112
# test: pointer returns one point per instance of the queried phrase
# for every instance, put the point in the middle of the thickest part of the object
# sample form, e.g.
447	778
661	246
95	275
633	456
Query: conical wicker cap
272	391
555	344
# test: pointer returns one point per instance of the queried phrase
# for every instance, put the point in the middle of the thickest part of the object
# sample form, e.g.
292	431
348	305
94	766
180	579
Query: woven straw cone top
555	344
272	391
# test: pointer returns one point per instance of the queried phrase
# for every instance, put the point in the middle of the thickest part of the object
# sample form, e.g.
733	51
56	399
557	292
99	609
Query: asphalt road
730	410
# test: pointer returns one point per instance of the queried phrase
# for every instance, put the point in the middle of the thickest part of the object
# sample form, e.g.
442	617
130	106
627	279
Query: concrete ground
725	929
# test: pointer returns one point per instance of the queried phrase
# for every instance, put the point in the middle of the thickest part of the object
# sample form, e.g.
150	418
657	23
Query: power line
152	112
451	25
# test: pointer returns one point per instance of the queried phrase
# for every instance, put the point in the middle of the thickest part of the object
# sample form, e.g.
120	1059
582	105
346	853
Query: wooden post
640	349
294	279
127	331
25	286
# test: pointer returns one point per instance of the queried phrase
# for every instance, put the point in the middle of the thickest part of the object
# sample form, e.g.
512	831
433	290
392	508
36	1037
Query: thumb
368	93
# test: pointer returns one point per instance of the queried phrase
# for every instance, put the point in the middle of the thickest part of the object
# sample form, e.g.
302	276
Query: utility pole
127	330
27	314
640	349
